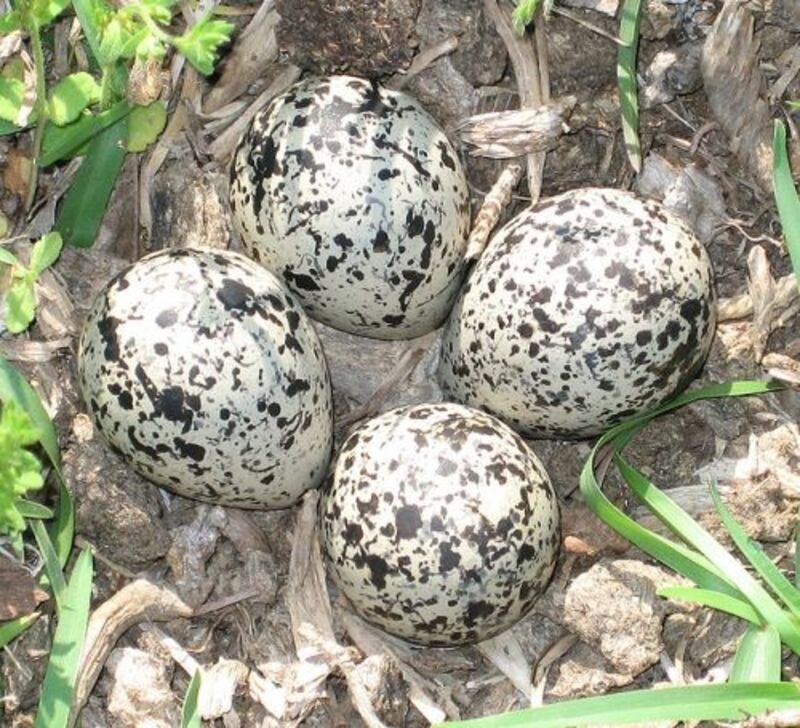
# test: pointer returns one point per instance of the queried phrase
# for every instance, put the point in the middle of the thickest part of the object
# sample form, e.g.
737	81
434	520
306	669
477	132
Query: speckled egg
440	524
354	195
591	307
204	372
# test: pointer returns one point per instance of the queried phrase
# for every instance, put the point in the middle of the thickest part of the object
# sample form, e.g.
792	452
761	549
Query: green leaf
145	124
728	701
12	94
31	509
7	128
62	668
20	305
45	252
626	79
93	15
15	388
45	11
201	42
20	470
62	142
523	15
9	22
758	657
113	39
85	204
786	196
149	46
190	713
70	96
714	600
770	573
51	564
9	631
7	257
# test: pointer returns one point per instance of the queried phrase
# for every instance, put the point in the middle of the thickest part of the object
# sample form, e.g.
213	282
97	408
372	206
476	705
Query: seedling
20	296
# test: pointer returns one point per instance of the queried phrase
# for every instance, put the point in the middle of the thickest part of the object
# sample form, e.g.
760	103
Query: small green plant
20	471
24	423
101	116
190	711
786	196
20	296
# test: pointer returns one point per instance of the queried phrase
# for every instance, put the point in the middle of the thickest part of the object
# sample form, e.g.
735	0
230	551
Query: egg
204	372
589	308
355	197
439	523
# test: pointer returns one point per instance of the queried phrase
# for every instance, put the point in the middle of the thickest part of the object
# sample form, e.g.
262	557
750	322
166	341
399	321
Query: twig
494	204
421	61
532	80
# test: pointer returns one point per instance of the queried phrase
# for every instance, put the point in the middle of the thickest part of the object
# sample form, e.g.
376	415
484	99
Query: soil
242	593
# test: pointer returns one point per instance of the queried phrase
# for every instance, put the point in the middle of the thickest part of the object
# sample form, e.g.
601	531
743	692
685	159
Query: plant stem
40	106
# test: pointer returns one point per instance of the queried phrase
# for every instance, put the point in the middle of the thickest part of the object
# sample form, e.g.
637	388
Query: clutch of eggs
204	372
591	307
355	197
440	525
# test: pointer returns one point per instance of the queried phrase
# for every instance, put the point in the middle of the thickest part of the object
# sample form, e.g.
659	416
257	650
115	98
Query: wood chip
734	84
254	54
507	134
505	653
136	602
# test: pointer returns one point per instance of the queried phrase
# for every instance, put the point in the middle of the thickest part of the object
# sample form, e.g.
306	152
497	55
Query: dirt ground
180	583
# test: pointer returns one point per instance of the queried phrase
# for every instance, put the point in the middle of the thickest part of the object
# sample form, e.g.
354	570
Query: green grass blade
59	680
698	538
52	566
758	658
679	558
61	142
31	509
786	196
85	204
714	600
728	701
626	79
770	573
9	631
14	387
190	713
88	12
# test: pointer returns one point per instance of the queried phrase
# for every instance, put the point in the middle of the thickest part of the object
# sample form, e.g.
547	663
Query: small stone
671	73
607	7
614	607
138	689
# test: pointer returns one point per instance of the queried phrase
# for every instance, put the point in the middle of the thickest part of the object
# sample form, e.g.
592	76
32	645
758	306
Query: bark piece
735	88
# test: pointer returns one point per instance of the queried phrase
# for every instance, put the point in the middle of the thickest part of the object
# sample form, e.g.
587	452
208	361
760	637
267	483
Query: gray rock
614	608
138	690
481	56
672	72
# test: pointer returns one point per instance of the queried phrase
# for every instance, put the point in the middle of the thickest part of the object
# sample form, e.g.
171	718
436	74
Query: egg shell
354	195
591	307
440	524
204	372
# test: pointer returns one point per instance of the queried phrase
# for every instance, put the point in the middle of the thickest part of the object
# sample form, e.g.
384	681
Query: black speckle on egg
354	195
191	393
595	288
438	549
